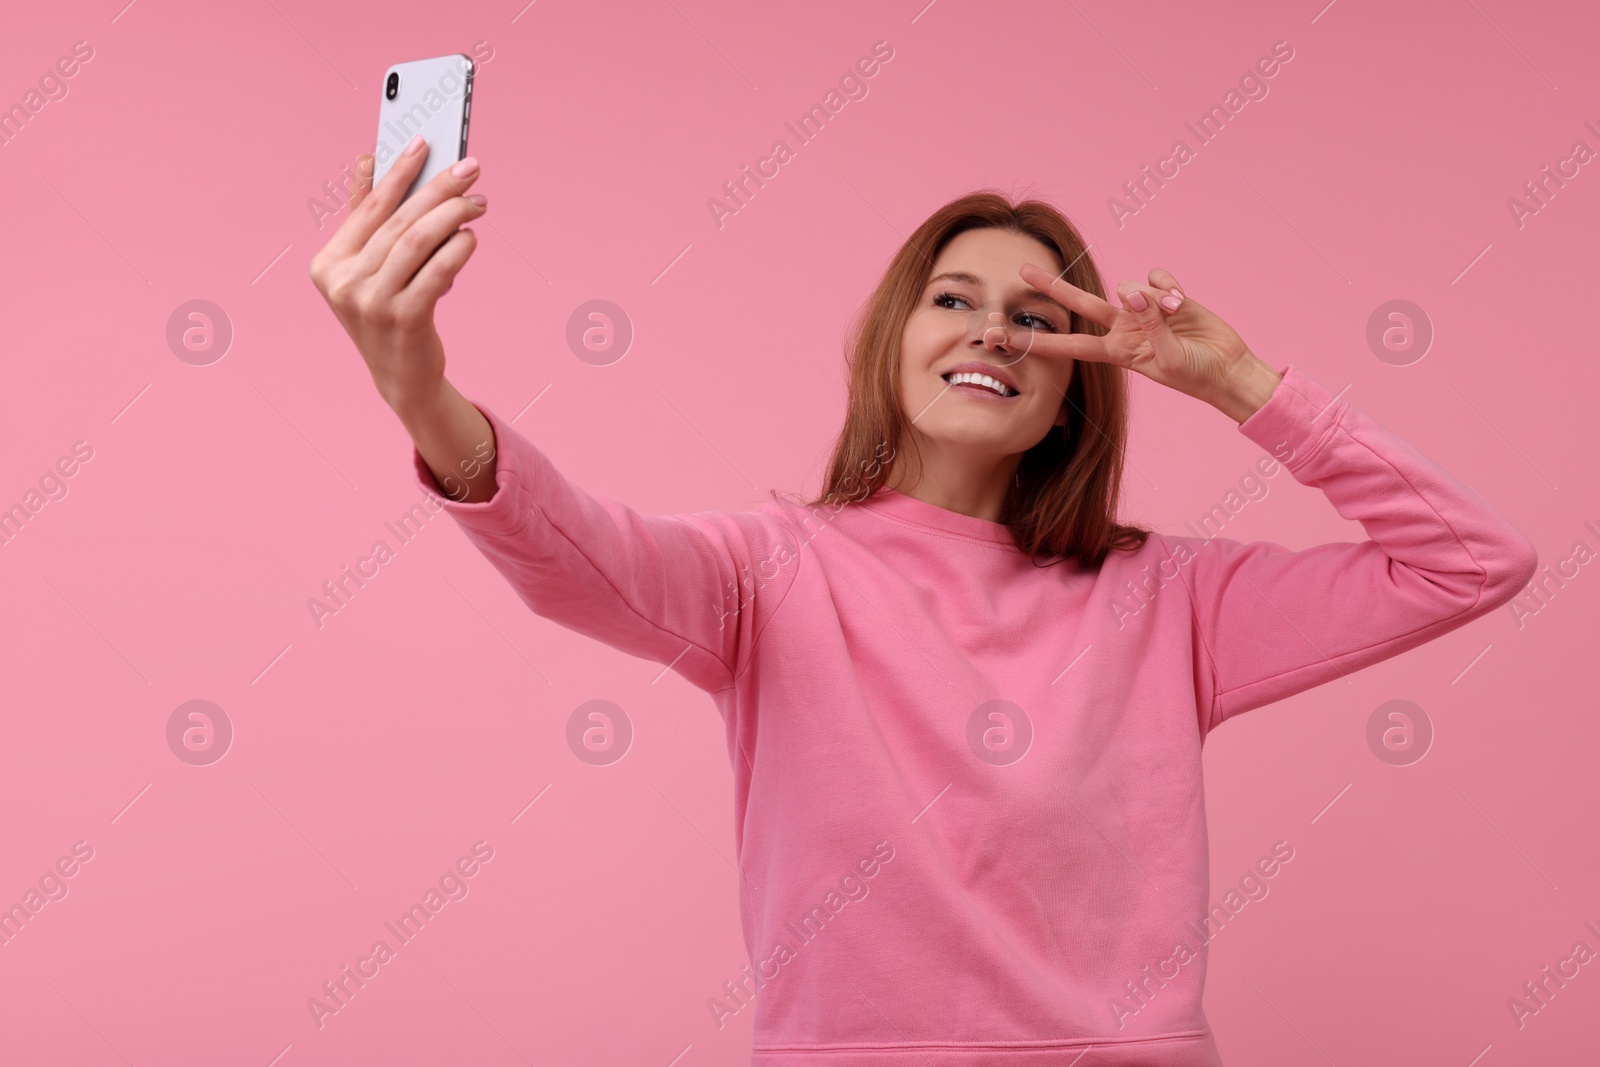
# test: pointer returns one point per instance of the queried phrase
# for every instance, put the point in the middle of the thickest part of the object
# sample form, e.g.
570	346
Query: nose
987	329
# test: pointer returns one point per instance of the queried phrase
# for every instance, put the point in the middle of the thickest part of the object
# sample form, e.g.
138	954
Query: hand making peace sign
1185	345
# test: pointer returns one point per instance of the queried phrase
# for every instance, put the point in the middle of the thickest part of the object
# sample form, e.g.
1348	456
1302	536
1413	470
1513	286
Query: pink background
370	754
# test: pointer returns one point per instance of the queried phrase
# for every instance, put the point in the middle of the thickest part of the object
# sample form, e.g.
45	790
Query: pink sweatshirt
968	805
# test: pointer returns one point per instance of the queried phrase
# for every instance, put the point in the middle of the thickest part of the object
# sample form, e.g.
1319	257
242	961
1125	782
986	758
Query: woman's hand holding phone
382	272
388	264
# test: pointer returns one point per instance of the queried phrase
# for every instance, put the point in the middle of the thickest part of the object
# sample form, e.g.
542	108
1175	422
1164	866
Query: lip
977	366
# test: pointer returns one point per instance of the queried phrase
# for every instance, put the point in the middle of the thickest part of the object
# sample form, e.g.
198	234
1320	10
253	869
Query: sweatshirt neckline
894	504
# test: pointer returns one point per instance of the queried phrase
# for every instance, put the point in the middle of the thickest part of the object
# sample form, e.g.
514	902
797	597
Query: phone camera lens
393	87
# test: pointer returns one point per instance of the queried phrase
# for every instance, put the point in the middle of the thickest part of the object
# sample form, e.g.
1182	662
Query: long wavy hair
1063	502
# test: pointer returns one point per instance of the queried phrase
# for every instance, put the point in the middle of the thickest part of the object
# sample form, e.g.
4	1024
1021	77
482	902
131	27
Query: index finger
359	225
370	233
445	185
1084	303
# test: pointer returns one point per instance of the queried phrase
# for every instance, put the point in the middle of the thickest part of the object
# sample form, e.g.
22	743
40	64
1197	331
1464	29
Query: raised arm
1271	622
676	589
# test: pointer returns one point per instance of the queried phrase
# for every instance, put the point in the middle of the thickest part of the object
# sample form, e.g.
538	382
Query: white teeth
980	379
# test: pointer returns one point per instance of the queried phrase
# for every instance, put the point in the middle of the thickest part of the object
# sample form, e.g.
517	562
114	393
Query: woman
964	705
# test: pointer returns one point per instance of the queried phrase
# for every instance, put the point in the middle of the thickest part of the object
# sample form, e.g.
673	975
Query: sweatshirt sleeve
1270	622
673	589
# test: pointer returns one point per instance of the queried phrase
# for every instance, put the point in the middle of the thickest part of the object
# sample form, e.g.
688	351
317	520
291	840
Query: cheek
1060	378
926	339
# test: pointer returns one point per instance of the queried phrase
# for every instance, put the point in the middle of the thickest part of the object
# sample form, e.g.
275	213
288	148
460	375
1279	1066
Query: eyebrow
1027	294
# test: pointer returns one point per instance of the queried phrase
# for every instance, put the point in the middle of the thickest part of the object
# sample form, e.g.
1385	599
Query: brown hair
1063	501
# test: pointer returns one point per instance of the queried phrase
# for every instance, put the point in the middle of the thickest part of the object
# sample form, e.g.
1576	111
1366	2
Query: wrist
419	409
1246	386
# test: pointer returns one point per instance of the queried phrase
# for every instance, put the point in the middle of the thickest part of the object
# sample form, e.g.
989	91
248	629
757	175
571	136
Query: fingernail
478	198
1176	292
1136	301
1170	303
415	146
465	167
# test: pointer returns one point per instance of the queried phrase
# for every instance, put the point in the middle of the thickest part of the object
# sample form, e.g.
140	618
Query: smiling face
976	309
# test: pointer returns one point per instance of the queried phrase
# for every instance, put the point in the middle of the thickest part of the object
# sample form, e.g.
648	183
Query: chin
980	436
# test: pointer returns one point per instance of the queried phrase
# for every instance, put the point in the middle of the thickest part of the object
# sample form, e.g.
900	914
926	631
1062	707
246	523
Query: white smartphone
432	97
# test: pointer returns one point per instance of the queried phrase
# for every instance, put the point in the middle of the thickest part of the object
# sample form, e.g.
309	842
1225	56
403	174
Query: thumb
365	167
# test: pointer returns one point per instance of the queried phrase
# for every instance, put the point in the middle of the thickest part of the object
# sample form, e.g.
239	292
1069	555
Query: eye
1039	322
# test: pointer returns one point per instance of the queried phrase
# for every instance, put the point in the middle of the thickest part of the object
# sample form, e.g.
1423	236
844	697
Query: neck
976	489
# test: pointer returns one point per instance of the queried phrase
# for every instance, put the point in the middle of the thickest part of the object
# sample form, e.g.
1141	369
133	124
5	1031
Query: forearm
456	442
